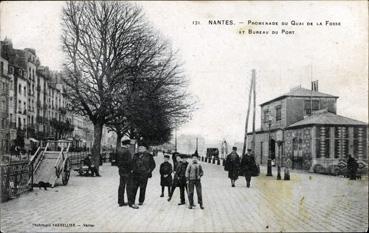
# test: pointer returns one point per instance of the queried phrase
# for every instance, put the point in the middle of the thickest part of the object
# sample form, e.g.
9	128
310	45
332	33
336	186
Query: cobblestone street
308	202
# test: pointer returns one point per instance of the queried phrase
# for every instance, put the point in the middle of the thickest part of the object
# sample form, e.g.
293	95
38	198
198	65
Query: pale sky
218	61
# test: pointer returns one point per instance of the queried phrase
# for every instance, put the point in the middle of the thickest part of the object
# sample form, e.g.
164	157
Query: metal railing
15	179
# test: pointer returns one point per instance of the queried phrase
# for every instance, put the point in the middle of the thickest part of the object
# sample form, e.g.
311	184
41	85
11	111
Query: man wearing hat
124	158
194	173
142	166
232	165
166	170
247	166
180	179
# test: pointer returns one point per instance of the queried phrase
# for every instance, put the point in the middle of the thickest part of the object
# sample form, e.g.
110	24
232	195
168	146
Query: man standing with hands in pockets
194	173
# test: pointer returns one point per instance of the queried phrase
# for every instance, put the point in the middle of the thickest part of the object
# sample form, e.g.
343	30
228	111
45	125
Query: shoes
190	207
169	198
233	185
98	175
124	204
162	195
201	207
133	206
182	203
140	203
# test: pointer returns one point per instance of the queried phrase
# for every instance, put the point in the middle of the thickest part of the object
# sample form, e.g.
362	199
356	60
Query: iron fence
15	179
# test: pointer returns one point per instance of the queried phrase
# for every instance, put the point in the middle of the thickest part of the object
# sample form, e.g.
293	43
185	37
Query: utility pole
197	143
247	117
253	115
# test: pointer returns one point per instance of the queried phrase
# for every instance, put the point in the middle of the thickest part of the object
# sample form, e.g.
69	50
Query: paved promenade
308	202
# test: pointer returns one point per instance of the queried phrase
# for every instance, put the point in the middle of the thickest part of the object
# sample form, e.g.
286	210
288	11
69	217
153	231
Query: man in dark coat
124	158
232	165
247	166
142	166
352	166
180	179
166	170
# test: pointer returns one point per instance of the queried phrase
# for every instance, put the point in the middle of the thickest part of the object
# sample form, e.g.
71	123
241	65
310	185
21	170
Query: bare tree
115	65
99	41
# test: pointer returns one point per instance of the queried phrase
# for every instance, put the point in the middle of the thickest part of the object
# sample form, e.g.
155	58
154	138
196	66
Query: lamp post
269	164
279	161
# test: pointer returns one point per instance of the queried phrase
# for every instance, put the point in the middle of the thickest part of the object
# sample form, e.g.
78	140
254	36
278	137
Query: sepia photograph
184	116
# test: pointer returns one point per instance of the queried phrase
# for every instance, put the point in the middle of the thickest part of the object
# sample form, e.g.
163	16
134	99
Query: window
278	113
24	91
20	89
266	116
311	105
2	67
10	70
322	142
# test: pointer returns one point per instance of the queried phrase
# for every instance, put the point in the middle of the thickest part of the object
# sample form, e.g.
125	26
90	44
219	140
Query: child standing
165	175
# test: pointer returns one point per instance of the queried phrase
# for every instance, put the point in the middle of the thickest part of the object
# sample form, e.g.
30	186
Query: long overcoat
166	169
233	165
248	165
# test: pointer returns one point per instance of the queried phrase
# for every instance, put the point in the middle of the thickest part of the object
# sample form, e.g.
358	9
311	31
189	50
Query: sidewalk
307	202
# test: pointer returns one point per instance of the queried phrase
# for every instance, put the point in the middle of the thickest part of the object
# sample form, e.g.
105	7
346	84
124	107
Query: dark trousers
122	188
191	185
182	188
133	185
162	190
352	175
248	180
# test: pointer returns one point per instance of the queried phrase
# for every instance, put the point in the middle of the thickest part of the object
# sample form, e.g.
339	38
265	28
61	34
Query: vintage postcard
184	116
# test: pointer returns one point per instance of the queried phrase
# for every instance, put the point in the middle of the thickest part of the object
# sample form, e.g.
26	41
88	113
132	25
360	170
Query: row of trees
119	72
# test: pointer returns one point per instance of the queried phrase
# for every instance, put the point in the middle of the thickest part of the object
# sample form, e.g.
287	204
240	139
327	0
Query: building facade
35	102
4	106
301	129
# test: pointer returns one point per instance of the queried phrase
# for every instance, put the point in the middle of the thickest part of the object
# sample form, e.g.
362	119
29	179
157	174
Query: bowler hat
166	156
234	148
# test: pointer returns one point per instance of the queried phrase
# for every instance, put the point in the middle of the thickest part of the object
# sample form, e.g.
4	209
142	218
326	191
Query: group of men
134	172
236	166
187	177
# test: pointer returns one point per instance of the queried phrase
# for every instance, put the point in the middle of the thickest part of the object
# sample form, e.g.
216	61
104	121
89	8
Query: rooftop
323	117
301	92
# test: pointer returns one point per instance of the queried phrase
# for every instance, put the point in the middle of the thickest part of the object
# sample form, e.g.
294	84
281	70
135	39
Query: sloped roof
301	92
326	118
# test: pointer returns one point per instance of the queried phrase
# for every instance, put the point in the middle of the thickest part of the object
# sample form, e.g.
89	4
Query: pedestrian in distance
180	179
232	165
248	166
194	173
91	167
352	167
124	158
175	157
166	170
143	165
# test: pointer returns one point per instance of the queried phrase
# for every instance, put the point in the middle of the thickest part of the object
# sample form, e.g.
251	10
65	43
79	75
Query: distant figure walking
142	166
124	158
248	166
194	173
352	167
175	157
232	165
166	170
180	179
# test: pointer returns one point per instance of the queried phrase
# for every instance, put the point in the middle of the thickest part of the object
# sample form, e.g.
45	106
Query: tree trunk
98	127
119	142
